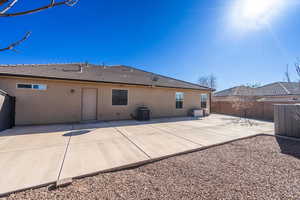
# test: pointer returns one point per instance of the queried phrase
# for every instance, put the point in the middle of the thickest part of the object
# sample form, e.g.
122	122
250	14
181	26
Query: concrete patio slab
24	169
34	155
203	138
25	141
94	135
156	143
29	130
100	150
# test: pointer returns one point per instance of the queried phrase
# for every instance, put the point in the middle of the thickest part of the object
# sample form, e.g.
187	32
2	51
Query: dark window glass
26	86
119	97
179	100
204	100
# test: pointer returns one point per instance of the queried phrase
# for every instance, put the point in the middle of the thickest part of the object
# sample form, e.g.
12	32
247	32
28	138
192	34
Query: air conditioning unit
198	113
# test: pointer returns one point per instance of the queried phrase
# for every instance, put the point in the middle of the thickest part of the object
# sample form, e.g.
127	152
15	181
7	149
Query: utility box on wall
287	120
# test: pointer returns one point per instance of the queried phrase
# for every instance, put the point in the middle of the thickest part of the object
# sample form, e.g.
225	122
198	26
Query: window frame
206	102
120	89
32	86
181	100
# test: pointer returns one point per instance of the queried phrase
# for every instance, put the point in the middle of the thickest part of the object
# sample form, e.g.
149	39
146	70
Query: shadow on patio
39	129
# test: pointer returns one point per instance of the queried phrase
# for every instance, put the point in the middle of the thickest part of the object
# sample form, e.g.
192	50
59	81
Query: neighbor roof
96	73
235	91
273	89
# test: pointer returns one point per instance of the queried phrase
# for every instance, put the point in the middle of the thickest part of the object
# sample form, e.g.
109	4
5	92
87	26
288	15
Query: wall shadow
39	129
289	146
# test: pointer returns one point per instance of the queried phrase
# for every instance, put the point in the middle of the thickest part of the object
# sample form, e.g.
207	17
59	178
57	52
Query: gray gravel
258	168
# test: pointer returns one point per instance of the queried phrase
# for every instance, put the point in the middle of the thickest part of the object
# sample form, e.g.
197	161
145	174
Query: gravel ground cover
262	167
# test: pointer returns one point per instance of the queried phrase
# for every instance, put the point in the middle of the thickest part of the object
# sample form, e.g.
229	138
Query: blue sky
181	39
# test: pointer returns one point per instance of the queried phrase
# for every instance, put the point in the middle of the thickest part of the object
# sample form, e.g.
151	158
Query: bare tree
208	81
6	5
253	85
297	66
287	74
243	106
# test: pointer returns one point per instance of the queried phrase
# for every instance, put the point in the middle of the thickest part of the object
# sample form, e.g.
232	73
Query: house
67	93
277	92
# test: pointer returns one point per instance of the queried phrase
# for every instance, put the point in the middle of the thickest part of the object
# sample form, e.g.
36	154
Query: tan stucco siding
58	104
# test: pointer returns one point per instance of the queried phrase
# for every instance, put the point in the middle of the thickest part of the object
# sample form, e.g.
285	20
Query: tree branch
9	6
50	5
297	66
13	45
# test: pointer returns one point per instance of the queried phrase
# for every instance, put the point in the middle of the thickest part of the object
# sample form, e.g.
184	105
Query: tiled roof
96	73
235	91
273	89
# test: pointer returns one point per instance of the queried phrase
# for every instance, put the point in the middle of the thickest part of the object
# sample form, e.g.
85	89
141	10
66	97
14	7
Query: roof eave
94	81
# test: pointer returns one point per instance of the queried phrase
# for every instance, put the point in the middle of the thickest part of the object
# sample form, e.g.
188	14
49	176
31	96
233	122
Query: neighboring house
255	102
232	94
65	93
277	92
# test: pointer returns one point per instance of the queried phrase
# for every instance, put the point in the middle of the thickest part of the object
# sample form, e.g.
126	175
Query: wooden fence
287	120
255	109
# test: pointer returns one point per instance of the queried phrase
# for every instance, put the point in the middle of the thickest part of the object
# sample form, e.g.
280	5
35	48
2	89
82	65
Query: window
119	97
179	100
39	87
204	98
32	86
24	86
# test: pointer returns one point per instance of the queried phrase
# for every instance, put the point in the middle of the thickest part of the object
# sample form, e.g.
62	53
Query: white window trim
127	97
206	100
182	100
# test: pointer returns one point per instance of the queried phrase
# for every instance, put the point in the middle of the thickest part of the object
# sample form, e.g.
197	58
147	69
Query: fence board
257	110
286	120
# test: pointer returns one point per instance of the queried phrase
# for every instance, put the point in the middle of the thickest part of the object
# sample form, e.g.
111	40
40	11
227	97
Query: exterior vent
73	69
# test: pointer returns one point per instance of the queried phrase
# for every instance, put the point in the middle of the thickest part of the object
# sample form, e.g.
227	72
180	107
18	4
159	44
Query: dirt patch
258	168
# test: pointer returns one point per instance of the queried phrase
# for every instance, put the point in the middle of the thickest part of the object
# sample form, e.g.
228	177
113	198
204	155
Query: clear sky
240	41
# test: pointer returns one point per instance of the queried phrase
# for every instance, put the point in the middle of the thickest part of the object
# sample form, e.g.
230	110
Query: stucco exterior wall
58	104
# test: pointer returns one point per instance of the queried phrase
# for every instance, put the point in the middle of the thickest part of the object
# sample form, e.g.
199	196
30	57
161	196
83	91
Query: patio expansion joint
64	157
167	132
137	146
